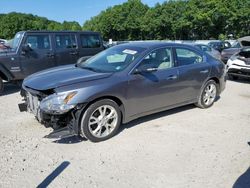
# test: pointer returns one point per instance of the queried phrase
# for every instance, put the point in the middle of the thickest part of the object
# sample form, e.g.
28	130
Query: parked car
219	45
120	84
33	51
211	51
2	41
239	64
236	47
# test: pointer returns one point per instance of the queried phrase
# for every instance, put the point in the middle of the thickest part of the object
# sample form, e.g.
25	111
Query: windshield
14	43
113	59
236	45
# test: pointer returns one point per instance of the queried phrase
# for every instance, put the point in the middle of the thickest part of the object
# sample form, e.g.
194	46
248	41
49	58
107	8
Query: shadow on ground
243	181
62	137
51	177
155	116
10	88
70	140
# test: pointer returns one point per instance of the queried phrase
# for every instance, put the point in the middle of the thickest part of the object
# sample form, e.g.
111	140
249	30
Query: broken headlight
58	103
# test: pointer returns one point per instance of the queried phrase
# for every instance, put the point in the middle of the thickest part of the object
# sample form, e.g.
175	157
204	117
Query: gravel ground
184	147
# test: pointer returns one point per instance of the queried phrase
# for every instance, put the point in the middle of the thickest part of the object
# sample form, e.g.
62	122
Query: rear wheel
1	85
208	94
100	121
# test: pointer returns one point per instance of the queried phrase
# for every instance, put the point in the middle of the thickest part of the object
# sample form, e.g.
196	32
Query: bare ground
184	147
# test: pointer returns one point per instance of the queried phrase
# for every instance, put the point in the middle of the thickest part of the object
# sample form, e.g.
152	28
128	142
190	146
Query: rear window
90	41
65	41
187	57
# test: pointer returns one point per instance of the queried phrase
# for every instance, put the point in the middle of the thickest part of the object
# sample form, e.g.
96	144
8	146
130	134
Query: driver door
154	89
40	56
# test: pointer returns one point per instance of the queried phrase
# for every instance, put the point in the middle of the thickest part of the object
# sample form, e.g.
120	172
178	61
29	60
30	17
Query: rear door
90	44
66	48
41	55
193	72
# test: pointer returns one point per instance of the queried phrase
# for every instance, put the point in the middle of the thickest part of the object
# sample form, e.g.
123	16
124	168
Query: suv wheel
232	77
208	94
1	85
100	121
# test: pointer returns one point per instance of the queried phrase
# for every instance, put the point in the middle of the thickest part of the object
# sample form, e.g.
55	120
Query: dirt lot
185	147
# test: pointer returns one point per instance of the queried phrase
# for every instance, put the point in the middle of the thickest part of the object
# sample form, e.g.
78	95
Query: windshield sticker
131	52
18	35
118	68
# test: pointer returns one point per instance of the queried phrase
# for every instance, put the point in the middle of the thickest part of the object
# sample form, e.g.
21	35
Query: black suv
33	51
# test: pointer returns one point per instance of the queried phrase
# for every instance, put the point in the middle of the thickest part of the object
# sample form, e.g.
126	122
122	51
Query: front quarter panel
113	86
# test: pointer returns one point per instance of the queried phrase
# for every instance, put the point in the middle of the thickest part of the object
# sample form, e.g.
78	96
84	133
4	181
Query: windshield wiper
90	68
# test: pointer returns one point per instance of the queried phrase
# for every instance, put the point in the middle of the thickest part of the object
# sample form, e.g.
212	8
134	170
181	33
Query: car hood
61	76
231	51
244	41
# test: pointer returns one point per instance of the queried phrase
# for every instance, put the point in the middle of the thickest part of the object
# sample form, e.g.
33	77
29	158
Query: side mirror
26	49
82	59
145	69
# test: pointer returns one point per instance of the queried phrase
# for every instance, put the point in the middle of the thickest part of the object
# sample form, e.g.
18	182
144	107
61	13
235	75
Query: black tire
89	112
232	77
201	101
1	86
19	83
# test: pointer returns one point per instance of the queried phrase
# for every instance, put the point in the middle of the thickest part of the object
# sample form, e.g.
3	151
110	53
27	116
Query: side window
187	57
38	41
206	48
90	41
65	41
160	59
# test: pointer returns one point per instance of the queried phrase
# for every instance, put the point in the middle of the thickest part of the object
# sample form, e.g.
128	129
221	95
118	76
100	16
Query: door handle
50	55
204	71
172	77
74	53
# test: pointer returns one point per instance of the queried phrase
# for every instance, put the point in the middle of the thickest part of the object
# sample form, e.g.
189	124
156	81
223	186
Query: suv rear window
65	41
90	41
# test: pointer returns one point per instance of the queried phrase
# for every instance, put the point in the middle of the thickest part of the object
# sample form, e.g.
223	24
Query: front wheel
100	121
1	86
208	95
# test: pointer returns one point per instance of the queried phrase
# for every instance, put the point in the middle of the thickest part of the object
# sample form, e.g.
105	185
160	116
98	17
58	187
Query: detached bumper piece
60	133
23	107
64	125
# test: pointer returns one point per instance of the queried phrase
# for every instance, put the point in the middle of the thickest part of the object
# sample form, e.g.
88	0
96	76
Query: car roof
45	31
150	45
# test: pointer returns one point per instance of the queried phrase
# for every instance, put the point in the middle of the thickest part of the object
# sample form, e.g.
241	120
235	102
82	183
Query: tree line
133	20
13	22
174	20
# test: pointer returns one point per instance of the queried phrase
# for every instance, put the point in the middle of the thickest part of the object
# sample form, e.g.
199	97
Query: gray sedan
94	97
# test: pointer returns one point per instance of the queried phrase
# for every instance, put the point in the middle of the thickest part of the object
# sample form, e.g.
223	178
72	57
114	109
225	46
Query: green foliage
174	19
13	22
121	22
133	20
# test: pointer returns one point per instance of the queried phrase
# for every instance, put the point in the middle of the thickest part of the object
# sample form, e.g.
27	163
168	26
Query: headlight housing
58	103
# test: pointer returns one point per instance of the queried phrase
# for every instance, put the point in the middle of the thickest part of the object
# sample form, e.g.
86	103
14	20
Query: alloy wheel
209	94
103	121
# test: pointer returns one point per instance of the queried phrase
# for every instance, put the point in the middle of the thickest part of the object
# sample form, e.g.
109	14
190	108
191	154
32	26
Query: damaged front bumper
64	125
